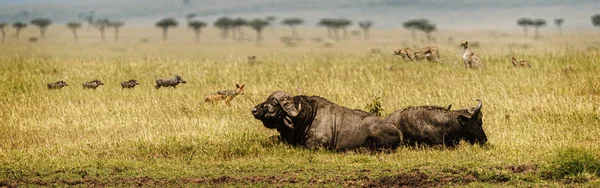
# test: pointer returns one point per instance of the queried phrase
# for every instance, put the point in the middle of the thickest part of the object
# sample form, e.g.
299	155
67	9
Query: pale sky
447	14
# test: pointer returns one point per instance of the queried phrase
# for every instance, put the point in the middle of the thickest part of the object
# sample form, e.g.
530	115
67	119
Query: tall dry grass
529	113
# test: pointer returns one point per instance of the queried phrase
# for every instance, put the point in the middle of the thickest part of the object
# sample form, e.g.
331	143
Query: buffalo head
472	125
276	111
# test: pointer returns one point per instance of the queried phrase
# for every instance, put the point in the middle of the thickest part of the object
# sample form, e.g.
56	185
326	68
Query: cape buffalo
313	122
434	125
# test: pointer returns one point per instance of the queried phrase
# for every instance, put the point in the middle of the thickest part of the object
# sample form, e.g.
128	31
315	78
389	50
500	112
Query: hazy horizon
388	14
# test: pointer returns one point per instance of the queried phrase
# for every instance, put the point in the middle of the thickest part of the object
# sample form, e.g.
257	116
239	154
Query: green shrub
572	163
374	107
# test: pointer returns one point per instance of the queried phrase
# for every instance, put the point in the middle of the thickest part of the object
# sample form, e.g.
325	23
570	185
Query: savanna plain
542	123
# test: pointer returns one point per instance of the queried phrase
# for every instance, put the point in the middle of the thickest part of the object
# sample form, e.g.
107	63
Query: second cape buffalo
434	125
313	122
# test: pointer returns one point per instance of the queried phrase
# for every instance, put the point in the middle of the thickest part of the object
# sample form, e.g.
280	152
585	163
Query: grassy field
543	122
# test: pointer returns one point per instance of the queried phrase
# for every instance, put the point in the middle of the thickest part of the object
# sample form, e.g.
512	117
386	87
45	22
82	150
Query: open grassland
543	123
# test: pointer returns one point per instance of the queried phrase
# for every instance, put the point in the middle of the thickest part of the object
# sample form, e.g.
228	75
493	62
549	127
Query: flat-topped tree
224	24
344	24
413	25
559	22
236	27
18	27
42	24
117	25
197	27
3	30
165	24
365	26
101	25
258	25
73	26
537	23
596	20
525	23
427	28
335	26
293	23
327	23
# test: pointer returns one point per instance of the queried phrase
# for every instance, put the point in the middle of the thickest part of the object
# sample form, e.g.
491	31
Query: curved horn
286	102
477	109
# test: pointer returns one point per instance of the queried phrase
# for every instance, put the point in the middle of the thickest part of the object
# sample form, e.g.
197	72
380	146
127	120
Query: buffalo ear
463	120
286	102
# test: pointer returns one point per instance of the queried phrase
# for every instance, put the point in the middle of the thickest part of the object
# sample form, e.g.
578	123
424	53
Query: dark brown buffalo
434	125
314	122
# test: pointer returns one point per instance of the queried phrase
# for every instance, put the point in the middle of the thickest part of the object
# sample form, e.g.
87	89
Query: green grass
111	136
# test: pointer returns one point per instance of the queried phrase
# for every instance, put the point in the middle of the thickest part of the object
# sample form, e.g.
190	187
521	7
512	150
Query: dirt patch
420	179
413	178
521	168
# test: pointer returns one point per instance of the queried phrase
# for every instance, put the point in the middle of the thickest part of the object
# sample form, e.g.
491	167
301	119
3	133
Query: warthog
313	122
161	82
434	125
92	85
129	84
57	85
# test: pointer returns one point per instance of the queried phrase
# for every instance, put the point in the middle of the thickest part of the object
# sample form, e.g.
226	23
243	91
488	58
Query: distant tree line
234	27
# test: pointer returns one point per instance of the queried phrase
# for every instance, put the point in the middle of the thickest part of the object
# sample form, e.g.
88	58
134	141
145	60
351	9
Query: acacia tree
18	27
165	24
427	28
42	24
236	28
3	31
101	25
73	26
197	27
344	24
413	25
525	23
537	23
423	25
258	24
327	23
293	23
224	24
117	25
558	22
365	26
596	20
